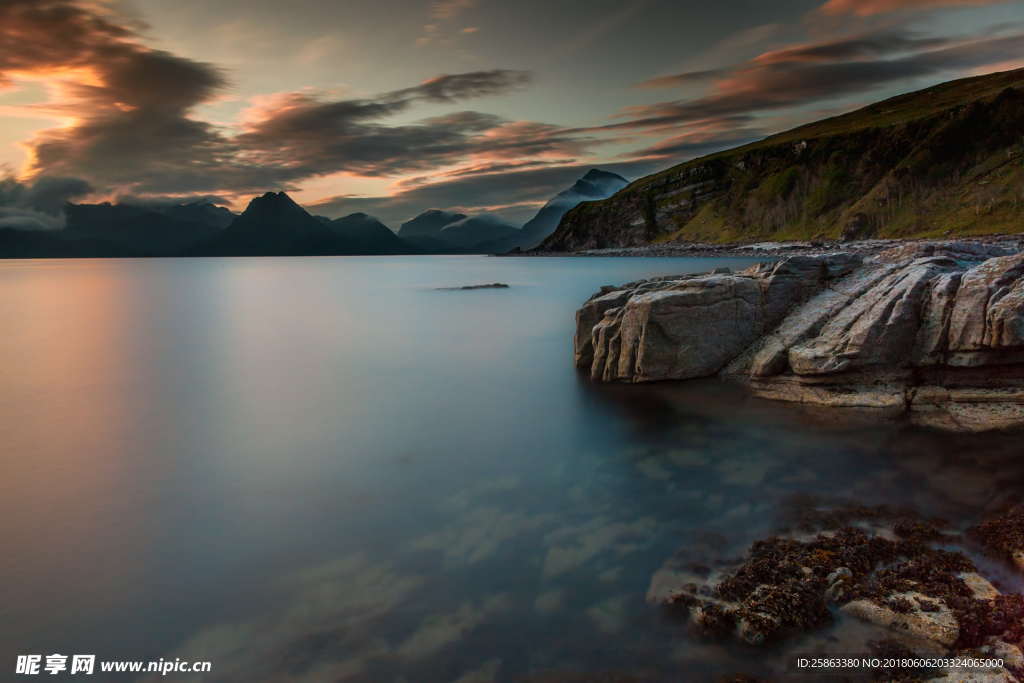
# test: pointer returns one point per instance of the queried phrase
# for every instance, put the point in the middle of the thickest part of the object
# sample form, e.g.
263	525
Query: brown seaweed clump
1003	534
894	576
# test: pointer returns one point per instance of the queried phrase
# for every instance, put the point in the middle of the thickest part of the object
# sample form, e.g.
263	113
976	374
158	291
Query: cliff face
948	160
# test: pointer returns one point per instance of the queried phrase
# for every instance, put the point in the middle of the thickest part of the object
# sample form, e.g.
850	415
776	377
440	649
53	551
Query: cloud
864	8
808	73
309	138
48	194
442	13
681	79
445	10
854	48
697	143
38	206
452	87
127	105
132	128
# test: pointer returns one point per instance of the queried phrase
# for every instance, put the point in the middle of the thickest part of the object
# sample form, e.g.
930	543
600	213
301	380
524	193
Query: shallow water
325	469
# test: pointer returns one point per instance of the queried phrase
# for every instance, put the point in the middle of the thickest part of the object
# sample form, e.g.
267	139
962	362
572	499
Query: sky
393	107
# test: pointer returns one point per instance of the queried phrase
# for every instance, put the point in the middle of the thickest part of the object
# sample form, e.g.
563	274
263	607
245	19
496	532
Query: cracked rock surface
931	330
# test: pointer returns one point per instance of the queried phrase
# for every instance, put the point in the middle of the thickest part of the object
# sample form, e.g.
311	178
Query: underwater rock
491	285
879	565
1003	534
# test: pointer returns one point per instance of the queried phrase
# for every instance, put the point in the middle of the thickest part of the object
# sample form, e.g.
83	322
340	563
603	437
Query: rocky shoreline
767	249
933	331
911	579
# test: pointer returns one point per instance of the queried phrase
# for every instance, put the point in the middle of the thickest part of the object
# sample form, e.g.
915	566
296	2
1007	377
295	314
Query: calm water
323	469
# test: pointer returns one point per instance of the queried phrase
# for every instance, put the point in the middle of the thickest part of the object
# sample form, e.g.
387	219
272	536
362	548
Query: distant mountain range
274	225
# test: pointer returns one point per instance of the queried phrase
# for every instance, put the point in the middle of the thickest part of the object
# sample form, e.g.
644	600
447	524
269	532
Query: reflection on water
324	469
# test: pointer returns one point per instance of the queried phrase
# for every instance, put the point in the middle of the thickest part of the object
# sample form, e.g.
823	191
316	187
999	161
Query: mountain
272	225
15	243
364	234
146	230
204	213
428	223
476	231
596	184
946	160
424	232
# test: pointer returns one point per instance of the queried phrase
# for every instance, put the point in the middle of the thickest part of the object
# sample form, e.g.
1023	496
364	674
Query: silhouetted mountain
596	184
274	225
16	243
204	213
474	232
428	223
365	234
146	230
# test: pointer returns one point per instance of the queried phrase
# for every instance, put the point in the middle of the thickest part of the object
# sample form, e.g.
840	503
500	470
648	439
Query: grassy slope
945	160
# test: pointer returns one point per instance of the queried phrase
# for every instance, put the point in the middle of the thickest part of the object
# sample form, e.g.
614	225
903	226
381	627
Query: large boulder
931	329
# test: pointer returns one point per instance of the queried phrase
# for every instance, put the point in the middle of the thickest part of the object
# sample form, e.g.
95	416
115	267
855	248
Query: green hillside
947	160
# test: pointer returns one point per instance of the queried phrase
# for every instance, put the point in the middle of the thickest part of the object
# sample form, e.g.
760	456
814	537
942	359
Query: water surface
320	469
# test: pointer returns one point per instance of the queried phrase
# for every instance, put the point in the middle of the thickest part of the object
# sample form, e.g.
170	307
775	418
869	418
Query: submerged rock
492	285
882	566
933	330
1002	534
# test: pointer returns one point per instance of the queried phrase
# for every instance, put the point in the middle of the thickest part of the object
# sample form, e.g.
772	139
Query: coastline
772	249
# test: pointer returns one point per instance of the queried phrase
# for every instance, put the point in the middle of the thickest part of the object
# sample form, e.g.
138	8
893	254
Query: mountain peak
599	174
274	203
430	222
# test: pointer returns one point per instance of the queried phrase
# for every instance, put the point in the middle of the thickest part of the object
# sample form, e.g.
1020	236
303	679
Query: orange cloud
865	8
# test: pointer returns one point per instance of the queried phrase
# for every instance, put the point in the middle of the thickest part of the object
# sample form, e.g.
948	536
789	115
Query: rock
939	625
878	564
664	334
1002	534
932	330
839	582
980	587
1010	654
492	285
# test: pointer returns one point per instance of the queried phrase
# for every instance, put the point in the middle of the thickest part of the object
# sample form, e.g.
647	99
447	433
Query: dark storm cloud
38	34
130	104
804	75
134	131
312	137
49	195
39	205
454	87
